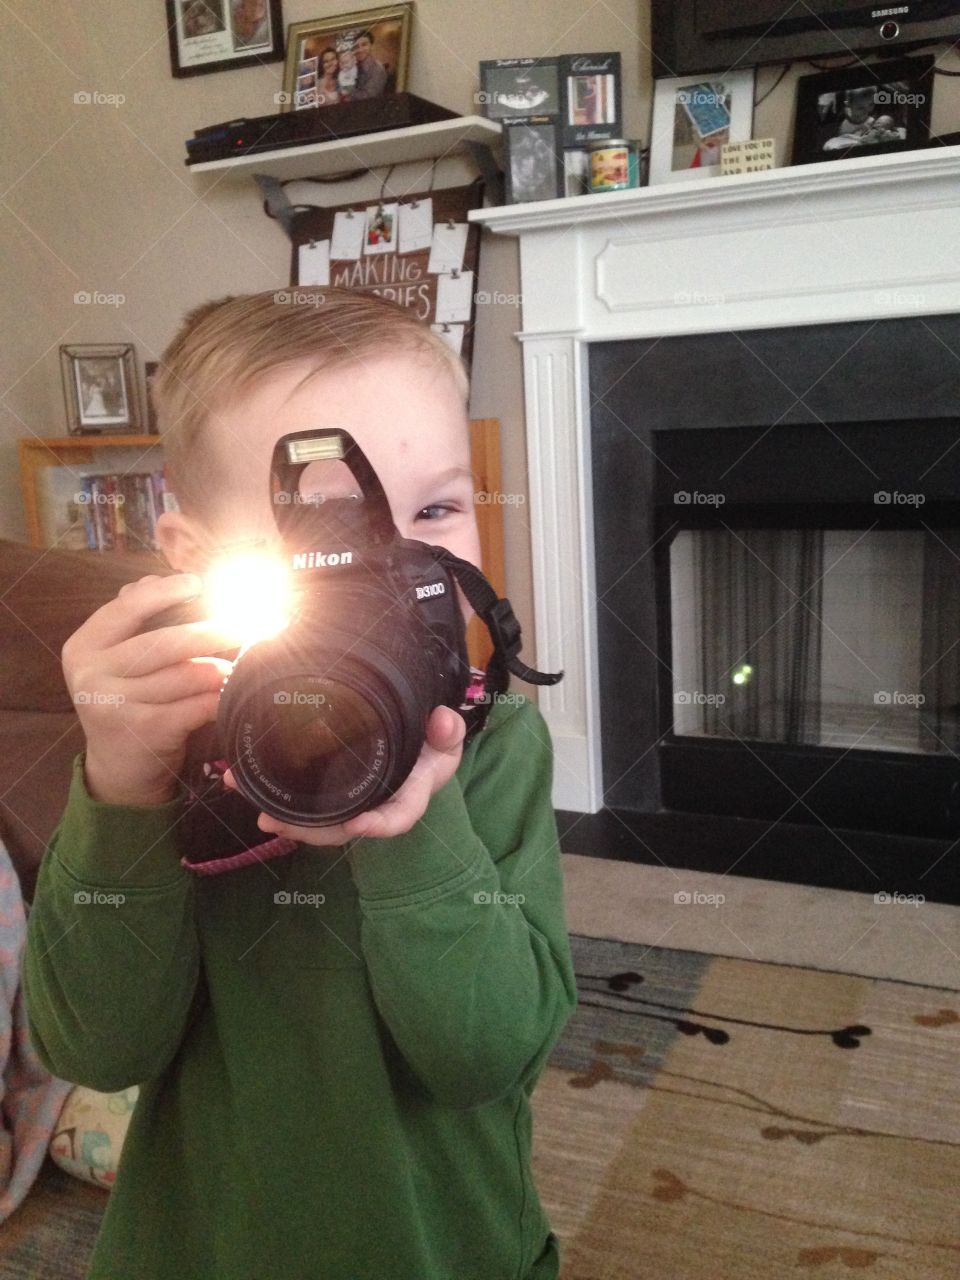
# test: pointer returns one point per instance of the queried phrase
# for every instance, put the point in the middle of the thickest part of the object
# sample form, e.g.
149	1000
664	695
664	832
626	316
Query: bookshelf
45	492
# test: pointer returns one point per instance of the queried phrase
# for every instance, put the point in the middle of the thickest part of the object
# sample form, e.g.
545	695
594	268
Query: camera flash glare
249	596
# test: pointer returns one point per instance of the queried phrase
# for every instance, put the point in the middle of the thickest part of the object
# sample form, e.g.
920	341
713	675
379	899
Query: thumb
445	729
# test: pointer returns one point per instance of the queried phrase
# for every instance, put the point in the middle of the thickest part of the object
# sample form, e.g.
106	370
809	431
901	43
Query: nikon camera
326	719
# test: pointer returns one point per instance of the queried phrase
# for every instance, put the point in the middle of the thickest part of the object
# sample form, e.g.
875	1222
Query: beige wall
98	198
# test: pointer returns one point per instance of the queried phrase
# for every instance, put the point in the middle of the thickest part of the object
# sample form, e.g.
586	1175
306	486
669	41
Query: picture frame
533	159
512	88
150	368
223	35
693	116
591	98
347	56
869	109
100	389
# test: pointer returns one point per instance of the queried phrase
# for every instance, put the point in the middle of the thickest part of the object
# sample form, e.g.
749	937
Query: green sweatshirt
331	1089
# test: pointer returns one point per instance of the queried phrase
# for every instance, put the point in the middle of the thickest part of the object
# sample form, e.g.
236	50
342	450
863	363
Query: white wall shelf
435	140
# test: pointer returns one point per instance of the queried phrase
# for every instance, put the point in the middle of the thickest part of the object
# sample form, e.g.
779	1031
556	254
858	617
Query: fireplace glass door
845	638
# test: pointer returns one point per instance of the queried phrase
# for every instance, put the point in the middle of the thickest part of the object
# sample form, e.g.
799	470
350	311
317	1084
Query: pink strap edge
275	848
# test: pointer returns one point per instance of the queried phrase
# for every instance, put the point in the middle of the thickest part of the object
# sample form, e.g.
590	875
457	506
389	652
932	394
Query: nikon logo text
321	559
432	589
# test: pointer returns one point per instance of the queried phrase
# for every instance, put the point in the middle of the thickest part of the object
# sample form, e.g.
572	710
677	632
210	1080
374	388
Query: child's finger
136	603
142	654
445	730
320	836
398	814
199	675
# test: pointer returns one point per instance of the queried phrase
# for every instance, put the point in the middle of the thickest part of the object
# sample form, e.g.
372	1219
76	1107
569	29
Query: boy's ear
184	541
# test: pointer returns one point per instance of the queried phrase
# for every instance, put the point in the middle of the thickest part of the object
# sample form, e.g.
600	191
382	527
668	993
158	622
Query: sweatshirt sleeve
463	925
111	960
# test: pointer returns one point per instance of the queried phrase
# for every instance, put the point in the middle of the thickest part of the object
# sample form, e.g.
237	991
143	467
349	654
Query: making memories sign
417	250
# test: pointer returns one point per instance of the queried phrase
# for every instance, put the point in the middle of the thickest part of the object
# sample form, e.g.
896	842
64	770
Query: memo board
421	253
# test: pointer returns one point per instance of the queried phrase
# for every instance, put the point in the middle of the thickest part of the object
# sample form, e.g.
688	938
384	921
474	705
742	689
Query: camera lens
318	732
320	737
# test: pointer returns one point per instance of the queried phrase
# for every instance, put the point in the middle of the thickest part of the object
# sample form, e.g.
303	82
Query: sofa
44	596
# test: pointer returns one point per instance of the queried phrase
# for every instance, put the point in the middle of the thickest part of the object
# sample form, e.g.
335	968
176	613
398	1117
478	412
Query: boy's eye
435	511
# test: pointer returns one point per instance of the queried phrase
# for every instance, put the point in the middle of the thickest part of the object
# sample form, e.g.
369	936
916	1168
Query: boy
335	1047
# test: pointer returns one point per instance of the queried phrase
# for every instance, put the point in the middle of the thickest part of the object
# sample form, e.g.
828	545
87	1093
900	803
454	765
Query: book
104	509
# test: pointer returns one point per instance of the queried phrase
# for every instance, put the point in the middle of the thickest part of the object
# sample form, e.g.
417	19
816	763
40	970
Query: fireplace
779	574
722	382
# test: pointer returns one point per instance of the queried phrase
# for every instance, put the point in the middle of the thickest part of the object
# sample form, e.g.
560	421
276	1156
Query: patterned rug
705	1118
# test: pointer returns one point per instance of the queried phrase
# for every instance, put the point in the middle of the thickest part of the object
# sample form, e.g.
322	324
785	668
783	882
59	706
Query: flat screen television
690	36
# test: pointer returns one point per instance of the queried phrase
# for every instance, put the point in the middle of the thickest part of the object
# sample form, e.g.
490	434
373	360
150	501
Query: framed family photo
863	110
221	35
100	389
693	116
347	56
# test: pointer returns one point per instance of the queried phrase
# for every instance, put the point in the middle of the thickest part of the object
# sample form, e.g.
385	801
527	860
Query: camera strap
496	612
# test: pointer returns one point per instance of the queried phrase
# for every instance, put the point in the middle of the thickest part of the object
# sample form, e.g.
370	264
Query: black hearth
777	524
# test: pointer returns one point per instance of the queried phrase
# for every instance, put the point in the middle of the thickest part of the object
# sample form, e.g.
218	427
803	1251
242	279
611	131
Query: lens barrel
319	724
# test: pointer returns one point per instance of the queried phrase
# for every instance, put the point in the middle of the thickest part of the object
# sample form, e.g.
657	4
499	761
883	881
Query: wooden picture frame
223	35
347	57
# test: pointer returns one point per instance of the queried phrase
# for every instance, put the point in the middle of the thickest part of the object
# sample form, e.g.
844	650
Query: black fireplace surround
796	428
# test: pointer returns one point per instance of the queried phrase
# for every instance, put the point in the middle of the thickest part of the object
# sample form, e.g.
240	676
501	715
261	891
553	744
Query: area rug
704	1117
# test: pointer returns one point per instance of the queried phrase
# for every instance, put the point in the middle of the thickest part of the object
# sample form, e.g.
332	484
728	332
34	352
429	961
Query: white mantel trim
905	173
866	238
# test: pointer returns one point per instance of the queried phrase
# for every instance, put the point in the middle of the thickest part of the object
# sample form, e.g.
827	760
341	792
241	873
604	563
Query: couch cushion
45	595
36	753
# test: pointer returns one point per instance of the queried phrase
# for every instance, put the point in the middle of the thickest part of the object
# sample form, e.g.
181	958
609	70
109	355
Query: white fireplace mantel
861	238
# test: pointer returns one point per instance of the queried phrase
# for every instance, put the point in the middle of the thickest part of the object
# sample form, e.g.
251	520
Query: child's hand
436	765
139	697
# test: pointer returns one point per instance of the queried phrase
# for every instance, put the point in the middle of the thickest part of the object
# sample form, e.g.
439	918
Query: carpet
51	1235
704	1117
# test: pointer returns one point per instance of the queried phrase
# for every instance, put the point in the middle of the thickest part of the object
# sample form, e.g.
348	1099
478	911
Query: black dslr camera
327	719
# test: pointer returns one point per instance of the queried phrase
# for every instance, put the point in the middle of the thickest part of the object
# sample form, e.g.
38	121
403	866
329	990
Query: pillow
45	594
89	1134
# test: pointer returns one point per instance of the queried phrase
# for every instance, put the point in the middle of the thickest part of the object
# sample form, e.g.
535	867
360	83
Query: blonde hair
224	347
